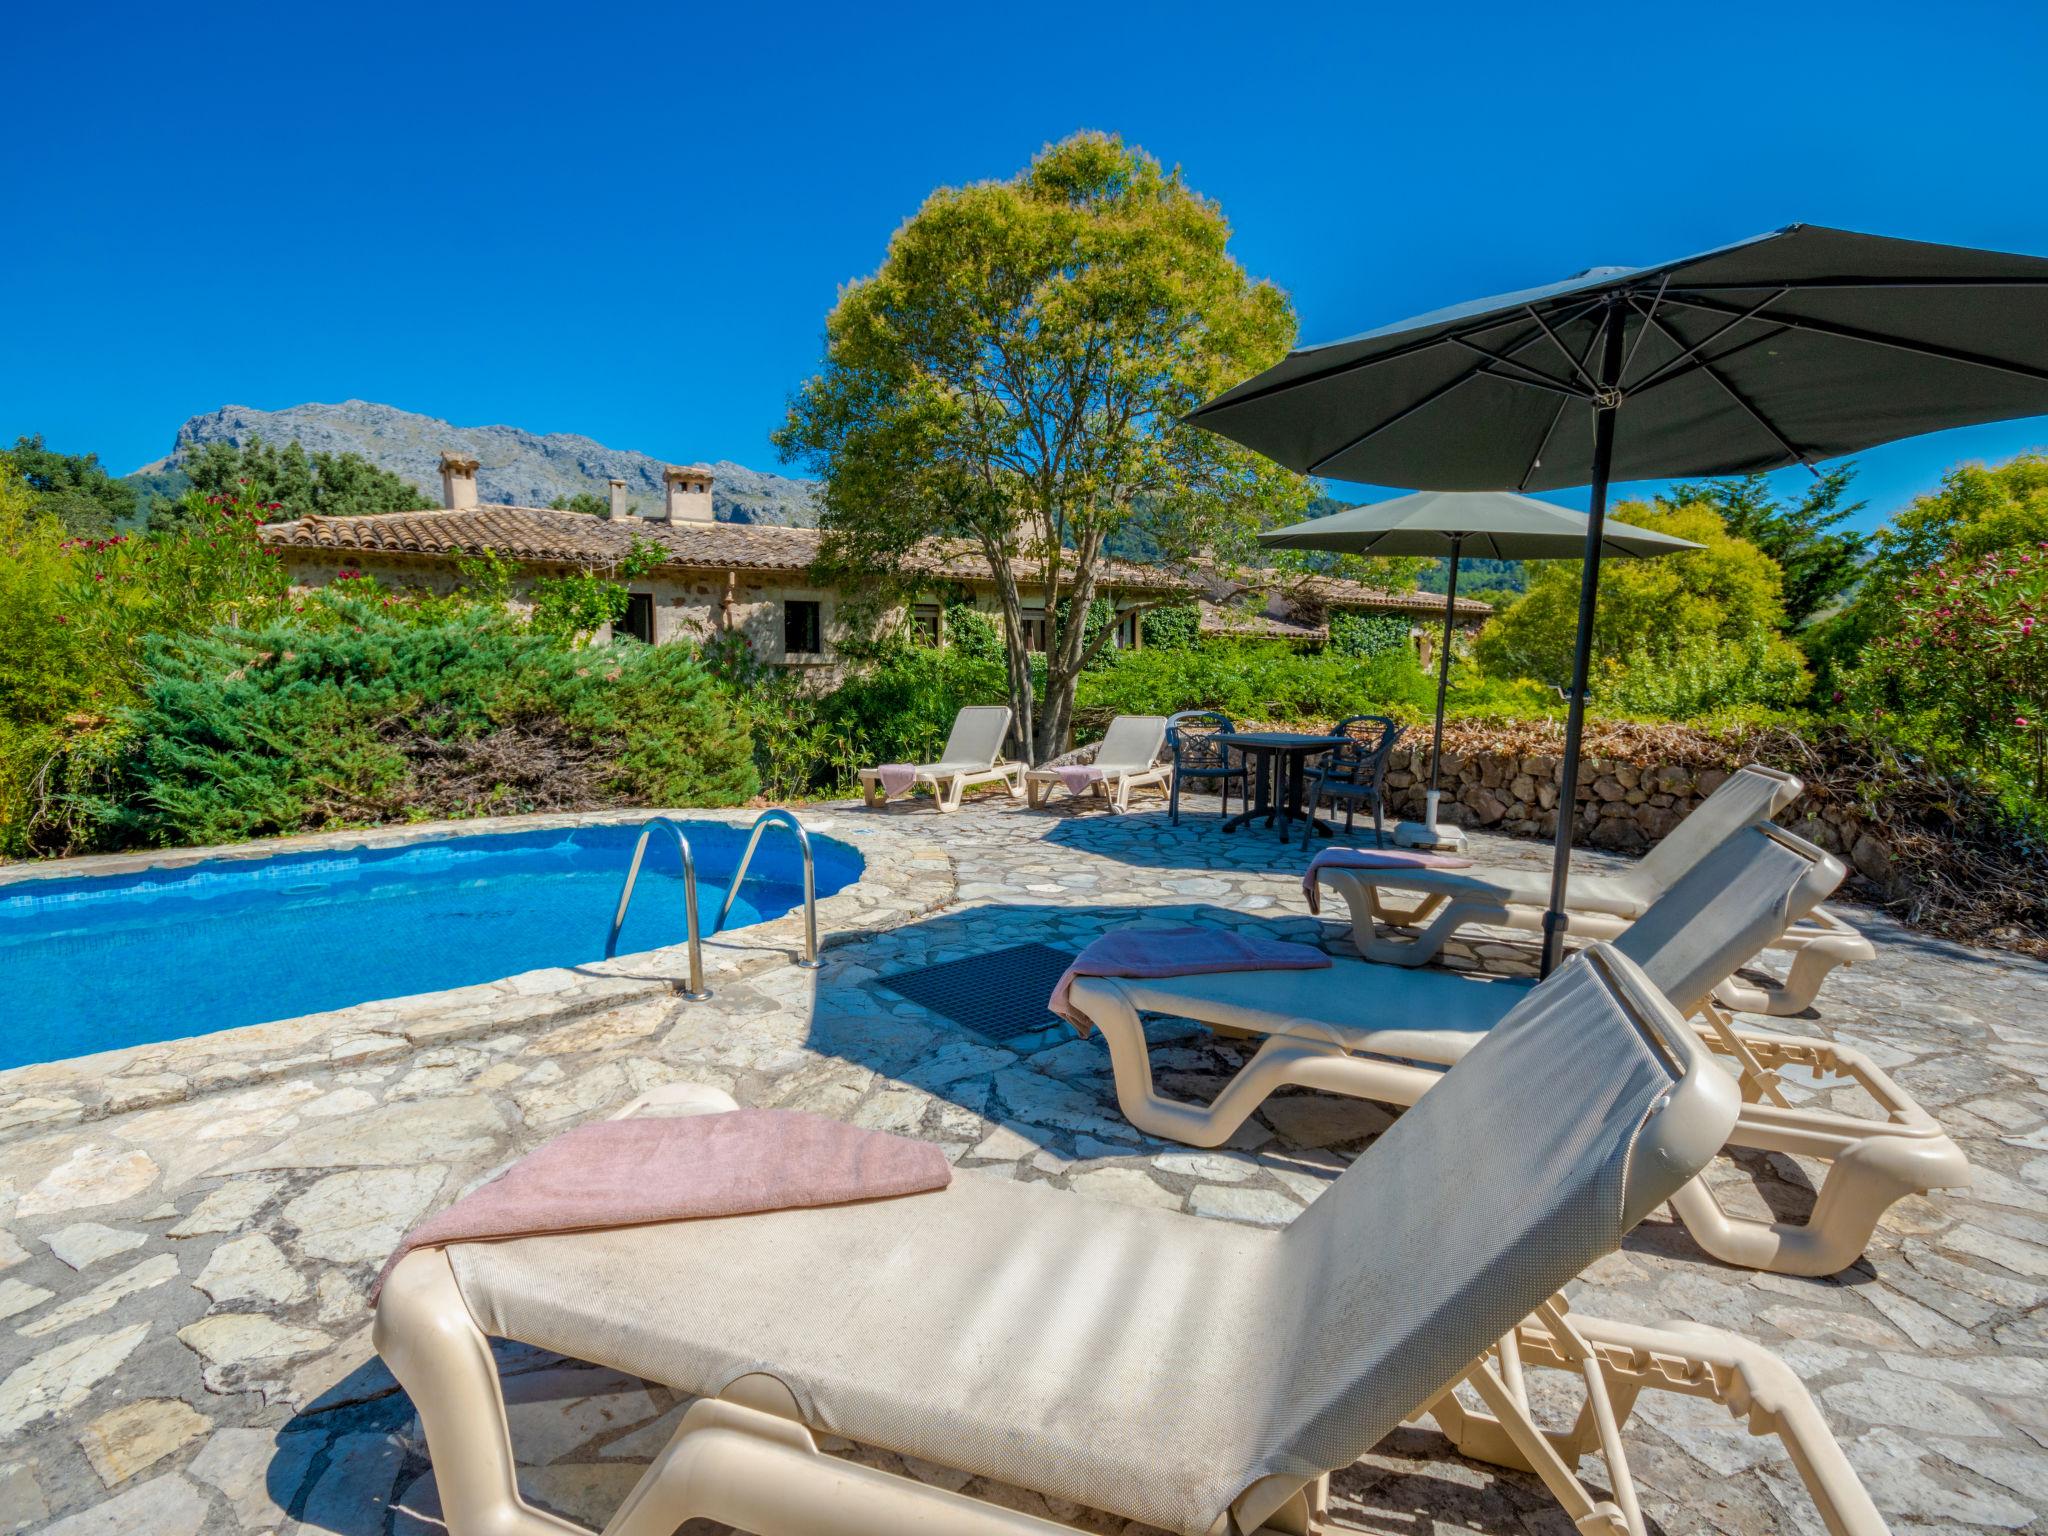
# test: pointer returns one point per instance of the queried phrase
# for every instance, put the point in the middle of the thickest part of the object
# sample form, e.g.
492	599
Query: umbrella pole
1443	682
1604	408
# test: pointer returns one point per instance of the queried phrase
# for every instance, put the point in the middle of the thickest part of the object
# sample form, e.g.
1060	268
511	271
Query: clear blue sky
629	221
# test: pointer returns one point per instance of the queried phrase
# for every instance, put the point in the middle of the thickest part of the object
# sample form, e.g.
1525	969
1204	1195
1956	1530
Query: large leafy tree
1978	509
1727	590
1016	373
1820	560
74	488
297	484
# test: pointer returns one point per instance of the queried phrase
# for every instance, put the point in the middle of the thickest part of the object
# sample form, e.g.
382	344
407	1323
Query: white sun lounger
1441	901
1361	1030
1128	758
972	755
1193	1374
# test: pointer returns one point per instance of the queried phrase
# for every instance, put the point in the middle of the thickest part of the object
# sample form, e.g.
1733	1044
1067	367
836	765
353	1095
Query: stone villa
757	578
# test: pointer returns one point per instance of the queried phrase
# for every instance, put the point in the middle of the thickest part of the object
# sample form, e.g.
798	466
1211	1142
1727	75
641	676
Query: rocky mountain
524	468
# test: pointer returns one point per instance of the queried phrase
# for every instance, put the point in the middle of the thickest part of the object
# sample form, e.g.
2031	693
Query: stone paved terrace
189	1230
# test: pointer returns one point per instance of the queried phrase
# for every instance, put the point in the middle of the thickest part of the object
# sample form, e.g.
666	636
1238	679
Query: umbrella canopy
1788	348
1487	525
1493	525
1792	347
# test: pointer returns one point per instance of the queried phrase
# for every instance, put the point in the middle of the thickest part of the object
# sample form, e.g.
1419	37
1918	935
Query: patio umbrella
1492	525
1789	348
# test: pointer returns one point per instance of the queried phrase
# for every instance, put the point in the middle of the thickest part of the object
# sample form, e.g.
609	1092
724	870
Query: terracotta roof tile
1243	623
1281	592
574	538
1335	592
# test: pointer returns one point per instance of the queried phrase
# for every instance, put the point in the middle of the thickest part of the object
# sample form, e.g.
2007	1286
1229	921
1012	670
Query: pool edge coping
904	876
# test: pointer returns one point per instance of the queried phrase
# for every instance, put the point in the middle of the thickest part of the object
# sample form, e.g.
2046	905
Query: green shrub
1691	675
1176	627
295	727
1258	681
75	615
1474	695
1367	634
973	633
899	709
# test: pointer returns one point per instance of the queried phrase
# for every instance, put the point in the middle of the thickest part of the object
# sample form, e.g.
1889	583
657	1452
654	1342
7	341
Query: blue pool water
94	963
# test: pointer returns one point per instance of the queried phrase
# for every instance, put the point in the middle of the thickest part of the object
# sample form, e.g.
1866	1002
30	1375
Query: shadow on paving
1057	1091
1145	838
351	1462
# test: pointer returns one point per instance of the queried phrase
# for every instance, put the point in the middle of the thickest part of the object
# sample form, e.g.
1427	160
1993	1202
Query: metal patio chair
1191	738
1353	773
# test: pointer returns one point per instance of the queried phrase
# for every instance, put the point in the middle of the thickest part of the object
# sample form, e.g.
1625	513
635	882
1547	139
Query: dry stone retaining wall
1635	785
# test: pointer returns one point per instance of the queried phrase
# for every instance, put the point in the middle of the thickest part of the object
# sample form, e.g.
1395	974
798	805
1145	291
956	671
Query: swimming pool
94	963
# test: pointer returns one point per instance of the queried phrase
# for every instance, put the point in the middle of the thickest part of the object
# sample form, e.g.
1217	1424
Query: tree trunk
1066	653
1016	656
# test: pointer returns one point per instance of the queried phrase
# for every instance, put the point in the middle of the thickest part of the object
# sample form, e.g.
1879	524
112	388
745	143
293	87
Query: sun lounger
1127	760
1601	906
972	755
1197	1375
1372	1032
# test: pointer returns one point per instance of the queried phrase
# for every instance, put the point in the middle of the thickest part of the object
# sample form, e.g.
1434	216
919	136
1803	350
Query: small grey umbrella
1493	525
1795	346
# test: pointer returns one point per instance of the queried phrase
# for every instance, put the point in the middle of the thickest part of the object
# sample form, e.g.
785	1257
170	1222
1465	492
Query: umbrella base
1442	839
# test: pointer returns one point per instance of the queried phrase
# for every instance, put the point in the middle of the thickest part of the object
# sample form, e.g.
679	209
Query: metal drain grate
999	995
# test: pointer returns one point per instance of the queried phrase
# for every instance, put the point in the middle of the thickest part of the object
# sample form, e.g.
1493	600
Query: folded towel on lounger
1371	858
624	1173
1178	952
897	779
1079	777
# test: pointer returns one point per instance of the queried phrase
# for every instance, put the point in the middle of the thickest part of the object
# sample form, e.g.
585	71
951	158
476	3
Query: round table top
1282	741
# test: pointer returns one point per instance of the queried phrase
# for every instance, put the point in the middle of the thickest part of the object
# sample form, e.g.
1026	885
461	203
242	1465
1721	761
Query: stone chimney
458	481
689	494
620	511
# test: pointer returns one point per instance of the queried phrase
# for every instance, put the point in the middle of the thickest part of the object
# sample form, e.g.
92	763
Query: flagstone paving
186	1346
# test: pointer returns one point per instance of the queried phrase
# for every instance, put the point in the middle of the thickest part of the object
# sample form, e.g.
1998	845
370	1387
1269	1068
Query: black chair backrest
1191	735
1372	743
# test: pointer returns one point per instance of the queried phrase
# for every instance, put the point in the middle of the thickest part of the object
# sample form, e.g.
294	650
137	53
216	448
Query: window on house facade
1034	629
1127	630
639	619
802	634
926	623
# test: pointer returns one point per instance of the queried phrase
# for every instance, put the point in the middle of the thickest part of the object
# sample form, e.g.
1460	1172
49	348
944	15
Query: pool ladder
696	991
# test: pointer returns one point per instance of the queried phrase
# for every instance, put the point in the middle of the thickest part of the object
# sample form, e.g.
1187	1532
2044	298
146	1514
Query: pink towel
1177	952
624	1173
1078	777
1371	858
897	779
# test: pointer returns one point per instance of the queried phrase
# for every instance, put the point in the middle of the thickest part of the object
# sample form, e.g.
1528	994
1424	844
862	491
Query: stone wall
1635	785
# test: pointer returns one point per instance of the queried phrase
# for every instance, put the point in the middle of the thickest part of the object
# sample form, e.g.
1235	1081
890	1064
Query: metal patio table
1279	755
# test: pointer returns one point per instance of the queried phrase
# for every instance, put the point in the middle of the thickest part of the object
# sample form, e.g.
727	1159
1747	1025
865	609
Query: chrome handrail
810	961
696	991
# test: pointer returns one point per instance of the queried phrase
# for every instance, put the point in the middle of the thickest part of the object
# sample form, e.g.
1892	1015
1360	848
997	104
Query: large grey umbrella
1793	347
1493	525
